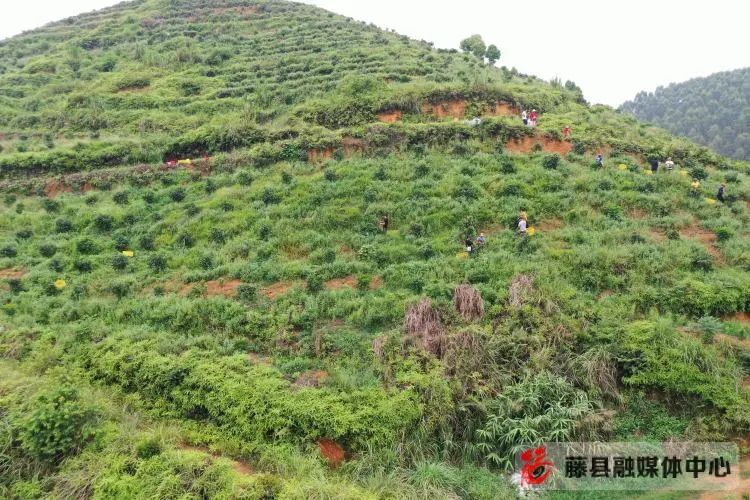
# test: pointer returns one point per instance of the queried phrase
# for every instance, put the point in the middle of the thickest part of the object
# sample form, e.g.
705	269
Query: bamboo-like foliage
468	302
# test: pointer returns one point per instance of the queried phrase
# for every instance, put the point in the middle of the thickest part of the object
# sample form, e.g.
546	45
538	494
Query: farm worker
521	231
533	117
695	187
384	223
481	240
654	165
469	245
525	117
566	132
720	194
670	164
599	160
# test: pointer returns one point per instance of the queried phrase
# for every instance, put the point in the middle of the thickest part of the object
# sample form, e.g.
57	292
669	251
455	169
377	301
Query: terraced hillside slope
197	299
713	111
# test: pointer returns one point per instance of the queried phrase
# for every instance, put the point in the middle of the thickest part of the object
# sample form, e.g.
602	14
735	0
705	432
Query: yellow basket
128	253
60	284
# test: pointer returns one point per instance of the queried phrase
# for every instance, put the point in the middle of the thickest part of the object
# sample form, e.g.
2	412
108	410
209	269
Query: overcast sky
610	49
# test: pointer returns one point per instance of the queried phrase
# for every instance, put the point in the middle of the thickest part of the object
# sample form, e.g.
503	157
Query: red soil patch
740	317
502	108
352	145
225	288
86	187
390	116
526	145
54	188
549	225
376	282
319	155
705	238
275	290
332	452
337	283
454	108
346	250
239	466
12	274
605	294
311	378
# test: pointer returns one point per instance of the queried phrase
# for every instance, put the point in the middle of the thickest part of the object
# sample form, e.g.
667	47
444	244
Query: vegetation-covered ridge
239	326
713	111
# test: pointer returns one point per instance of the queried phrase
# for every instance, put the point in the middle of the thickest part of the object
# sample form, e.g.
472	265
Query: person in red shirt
533	117
566	132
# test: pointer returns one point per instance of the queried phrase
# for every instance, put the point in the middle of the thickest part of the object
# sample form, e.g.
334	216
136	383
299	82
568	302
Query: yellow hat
60	284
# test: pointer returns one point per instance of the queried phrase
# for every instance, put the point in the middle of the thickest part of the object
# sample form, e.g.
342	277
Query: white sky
612	49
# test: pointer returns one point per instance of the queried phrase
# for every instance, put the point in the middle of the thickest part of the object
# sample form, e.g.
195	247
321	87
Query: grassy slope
627	285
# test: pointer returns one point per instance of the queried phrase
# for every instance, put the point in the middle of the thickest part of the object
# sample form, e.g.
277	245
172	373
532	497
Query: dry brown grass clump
422	321
520	289
468	302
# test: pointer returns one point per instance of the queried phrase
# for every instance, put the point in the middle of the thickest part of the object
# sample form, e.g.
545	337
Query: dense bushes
56	425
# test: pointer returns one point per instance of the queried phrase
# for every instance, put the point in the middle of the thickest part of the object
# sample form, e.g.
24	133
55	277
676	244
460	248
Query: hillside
713	111
196	299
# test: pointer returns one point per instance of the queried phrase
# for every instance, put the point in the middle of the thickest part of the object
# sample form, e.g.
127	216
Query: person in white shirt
521	227
524	117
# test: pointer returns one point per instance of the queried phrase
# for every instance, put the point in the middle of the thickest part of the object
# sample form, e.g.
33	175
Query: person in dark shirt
720	194
384	223
654	165
469	245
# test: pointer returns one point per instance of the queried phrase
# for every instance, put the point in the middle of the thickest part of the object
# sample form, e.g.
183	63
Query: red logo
536	467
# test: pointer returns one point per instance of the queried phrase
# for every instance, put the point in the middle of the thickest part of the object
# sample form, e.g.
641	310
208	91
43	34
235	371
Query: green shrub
15	285
8	251
63	226
551	162
121	242
146	242
184	240
724	233
24	234
51	206
157	263
147	448
698	173
314	282
86	246
121	197
247	292
119	262
177	194
83	266
104	223
57	424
